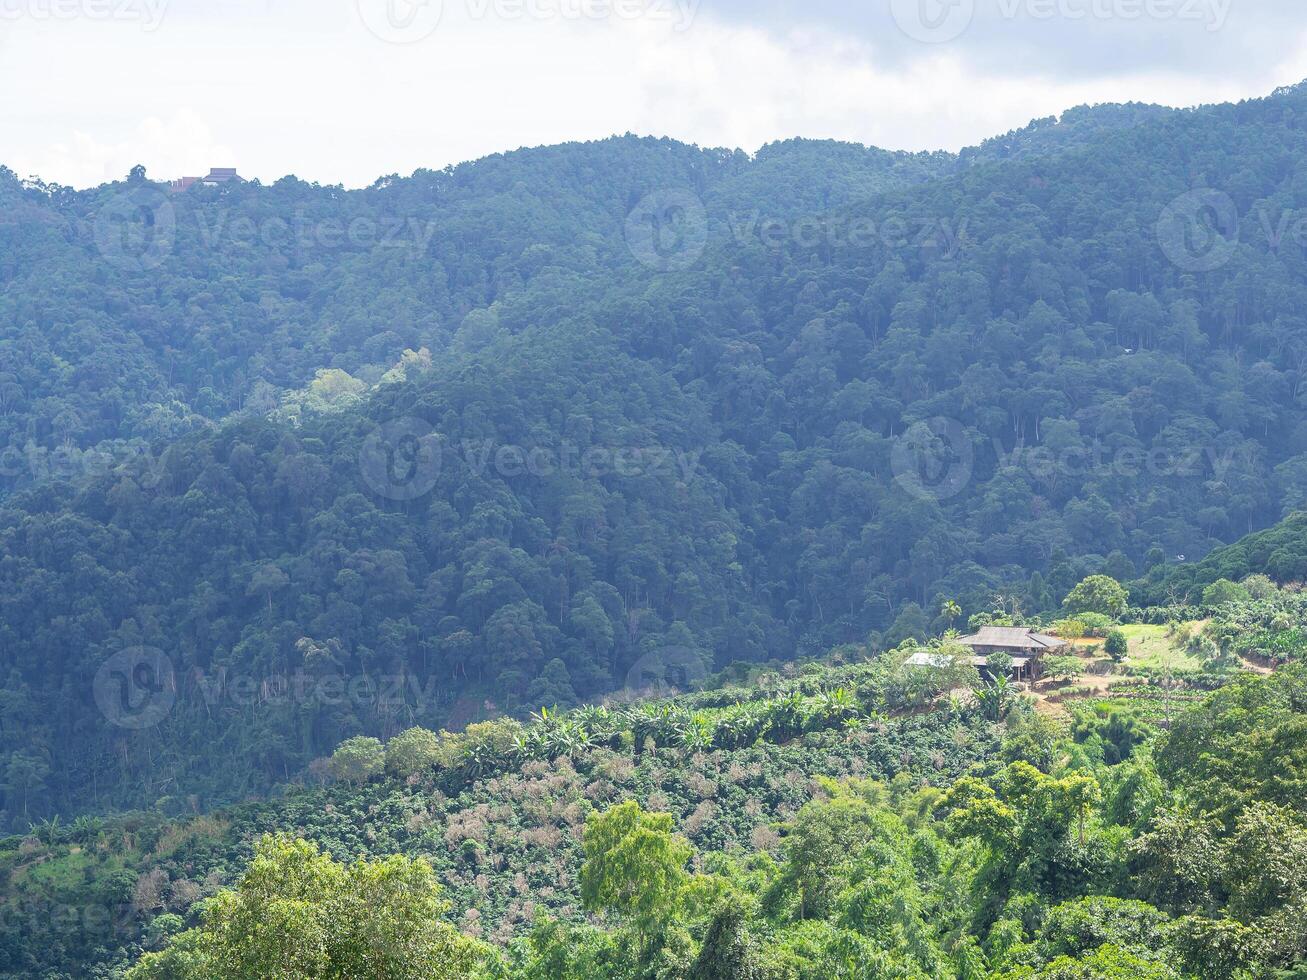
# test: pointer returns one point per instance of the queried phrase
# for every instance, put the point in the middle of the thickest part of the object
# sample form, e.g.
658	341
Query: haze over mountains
515	431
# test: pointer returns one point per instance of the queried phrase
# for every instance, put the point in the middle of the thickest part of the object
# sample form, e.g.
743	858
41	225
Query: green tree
950	610
1064	668
727	952
1116	646
1097	593
296	914
1000	664
358	759
413	751
1222	591
634	865
1105	963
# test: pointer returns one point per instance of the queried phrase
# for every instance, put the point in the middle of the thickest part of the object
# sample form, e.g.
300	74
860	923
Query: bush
1224	591
1116	646
358	759
1095	624
1071	628
1063	668
415	751
1000	664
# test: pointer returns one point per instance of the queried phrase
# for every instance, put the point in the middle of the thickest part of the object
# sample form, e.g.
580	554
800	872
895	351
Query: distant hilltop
217	175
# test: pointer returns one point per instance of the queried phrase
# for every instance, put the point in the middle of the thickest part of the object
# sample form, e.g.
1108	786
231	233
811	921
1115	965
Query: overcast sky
349	90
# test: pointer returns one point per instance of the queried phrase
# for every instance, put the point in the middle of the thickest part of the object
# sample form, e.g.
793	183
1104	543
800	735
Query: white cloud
181	145
303	86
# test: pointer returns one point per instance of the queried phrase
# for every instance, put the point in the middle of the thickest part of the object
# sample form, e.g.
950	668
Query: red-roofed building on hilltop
217	175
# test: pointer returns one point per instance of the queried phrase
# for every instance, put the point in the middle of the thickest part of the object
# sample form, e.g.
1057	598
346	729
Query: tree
358	759
413	751
1222	591
1066	668
1097	593
827	835
634	865
726	953
552	688
1105	963
297	914
1116	646
266	580
950	610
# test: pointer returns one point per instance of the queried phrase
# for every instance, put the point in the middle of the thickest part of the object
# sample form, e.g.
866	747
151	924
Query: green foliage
1000	664
358	759
634	864
1222	591
1065	668
1103	850
1097	594
1279	553
183	447
413	752
298	914
1116	646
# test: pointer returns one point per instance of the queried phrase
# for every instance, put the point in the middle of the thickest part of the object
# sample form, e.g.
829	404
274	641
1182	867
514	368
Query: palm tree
950	610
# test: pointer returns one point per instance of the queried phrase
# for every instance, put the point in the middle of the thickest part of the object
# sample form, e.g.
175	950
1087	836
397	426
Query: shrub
1063	668
1222	591
415	751
358	759
1095	624
1070	628
1116	646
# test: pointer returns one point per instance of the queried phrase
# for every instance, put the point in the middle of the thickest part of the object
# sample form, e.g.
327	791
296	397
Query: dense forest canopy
286	464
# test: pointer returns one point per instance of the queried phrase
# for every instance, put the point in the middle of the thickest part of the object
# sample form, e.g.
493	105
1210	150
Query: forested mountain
659	406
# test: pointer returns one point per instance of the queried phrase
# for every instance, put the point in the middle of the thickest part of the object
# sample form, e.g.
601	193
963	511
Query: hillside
1279	552
865	806
789	402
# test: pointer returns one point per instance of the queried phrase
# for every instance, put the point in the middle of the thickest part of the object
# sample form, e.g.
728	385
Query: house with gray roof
1026	648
